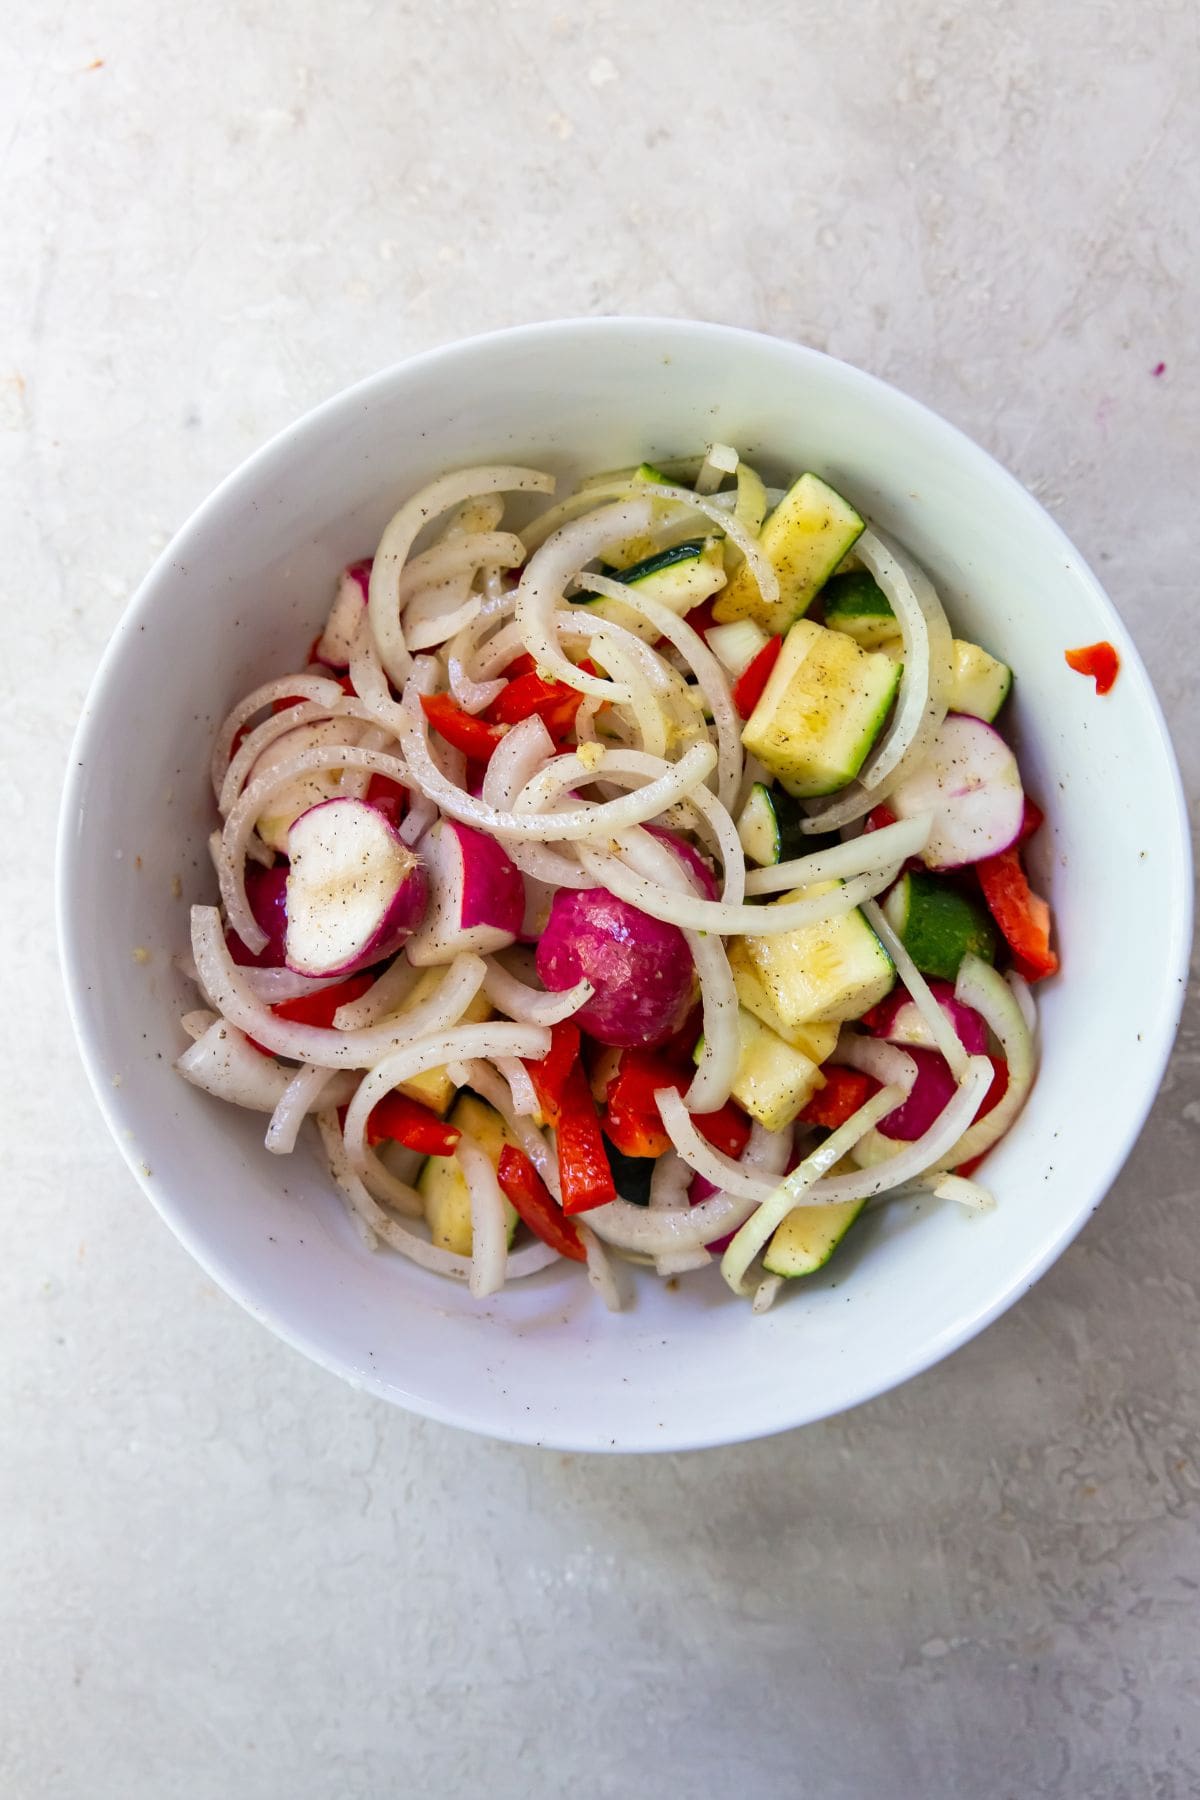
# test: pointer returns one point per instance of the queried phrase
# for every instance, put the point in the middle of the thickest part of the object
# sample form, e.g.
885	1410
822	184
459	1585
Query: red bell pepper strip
554	703
583	1166
1032	820
388	797
407	1122
474	737
1022	915
524	1188
632	1120
844	1092
1100	661
702	618
748	688
549	1076
319	1008
878	817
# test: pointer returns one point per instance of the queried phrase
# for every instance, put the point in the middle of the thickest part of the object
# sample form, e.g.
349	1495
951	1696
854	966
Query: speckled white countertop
221	1572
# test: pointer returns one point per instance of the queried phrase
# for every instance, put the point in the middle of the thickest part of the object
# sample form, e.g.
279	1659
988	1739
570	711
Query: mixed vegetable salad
640	882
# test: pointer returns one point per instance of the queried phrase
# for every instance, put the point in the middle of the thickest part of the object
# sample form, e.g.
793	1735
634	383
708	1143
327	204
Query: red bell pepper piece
878	817
553	701
474	737
632	1120
583	1166
407	1122
748	688
524	664
844	1092
549	1076
523	1186
388	797
1022	915
702	618
319	1008
1032	820
1100	661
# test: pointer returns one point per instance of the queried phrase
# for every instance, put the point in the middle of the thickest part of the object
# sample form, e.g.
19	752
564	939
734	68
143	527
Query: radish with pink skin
355	891
345	617
932	1092
971	784
899	1020
266	891
477	899
641	969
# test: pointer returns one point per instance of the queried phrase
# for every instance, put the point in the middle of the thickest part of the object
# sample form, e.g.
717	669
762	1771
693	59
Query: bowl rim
82	750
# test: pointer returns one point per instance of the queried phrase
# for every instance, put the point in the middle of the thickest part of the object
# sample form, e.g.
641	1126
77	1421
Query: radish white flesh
345	616
477	896
354	890
297	796
971	784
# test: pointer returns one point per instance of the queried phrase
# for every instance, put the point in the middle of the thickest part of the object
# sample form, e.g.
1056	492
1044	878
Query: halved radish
971	784
899	1020
354	890
477	899
640	968
345	616
307	790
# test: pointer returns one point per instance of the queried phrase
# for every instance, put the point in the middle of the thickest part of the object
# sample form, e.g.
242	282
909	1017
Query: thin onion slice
980	986
528	1261
861	855
667	1231
761	1226
300	1097
601	1275
544	581
525	1004
384	997
330	1049
971	1194
924	685
915	1158
936	1018
383	602
486	1080
319	688
489	1250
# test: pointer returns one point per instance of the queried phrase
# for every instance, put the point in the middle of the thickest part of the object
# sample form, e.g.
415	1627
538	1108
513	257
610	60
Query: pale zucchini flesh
443	1186
804	539
808	1238
830	972
979	683
821	711
774	1081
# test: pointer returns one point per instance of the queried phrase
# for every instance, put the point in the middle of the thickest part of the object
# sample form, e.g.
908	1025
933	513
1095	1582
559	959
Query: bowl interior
235	600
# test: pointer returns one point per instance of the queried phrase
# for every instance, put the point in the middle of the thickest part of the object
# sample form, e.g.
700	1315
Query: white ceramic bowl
235	598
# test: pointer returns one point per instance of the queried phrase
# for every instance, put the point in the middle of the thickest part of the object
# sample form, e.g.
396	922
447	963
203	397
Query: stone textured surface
221	1572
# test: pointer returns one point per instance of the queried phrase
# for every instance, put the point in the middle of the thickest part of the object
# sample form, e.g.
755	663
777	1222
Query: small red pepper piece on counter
554	703
474	737
748	688
388	797
319	1008
632	1120
1022	915
1100	661
407	1122
844	1092
991	1099
583	1166
524	1188
549	1076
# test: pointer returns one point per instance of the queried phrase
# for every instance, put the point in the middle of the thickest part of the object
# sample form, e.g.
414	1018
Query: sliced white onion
382	1184
197	1023
528	1261
525	1100
224	1064
273	986
520	755
937	1020
980	986
383	603
729	1176
384	997
765	1293
884	1062
420	815
431	618
319	688
527	1005
1022	993
256	741
794	1190
670	1182
667	1231
873	850
924	685
489	1230
301	1096
711	678
694	914
720	461
330	1049
913	1159
472	696
600	1272
544	581
971	1194
484	1077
